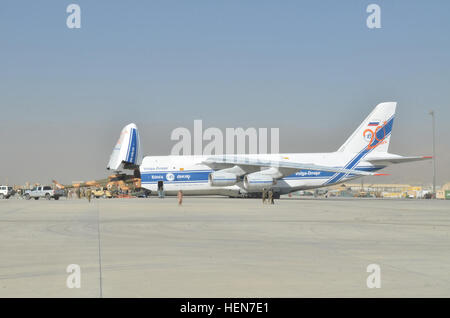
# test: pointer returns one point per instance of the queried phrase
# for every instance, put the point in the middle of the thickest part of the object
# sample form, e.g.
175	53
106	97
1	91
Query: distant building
384	190
444	192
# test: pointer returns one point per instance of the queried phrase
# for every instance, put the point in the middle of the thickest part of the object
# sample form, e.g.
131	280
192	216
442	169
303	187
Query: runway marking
99	249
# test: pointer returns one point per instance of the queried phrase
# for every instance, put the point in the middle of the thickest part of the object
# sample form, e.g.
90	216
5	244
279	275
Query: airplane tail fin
374	133
127	153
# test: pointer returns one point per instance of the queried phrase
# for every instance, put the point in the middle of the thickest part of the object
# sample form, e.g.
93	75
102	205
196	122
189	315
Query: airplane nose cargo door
127	154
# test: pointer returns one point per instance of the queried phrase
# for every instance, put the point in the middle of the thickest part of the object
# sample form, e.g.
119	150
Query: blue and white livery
363	154
127	152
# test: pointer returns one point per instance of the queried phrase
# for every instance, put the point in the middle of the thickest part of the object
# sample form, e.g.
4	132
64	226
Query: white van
6	192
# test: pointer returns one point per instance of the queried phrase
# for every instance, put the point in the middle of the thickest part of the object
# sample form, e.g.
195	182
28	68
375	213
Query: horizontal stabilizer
387	159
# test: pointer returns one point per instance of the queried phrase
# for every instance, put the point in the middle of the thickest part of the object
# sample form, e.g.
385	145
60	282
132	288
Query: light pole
434	153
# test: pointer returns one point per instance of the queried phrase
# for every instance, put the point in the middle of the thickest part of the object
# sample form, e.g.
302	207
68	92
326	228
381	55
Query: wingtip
381	174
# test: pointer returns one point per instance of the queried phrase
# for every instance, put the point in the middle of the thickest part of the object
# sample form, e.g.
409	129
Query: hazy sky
311	68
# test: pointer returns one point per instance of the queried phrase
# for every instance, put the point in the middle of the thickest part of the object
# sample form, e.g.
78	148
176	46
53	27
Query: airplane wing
285	167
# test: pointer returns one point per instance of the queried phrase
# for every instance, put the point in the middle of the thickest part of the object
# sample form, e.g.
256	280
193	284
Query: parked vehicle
141	193
44	192
6	192
102	192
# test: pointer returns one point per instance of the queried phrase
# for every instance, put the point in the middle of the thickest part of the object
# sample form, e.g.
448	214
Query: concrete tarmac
220	247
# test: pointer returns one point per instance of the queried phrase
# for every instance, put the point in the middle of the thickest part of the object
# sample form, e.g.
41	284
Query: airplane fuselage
187	173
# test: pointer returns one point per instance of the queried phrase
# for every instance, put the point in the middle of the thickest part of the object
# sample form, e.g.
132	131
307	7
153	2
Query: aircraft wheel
47	196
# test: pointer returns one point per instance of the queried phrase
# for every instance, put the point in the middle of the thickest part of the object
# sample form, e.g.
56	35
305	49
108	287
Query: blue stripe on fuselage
201	176
175	176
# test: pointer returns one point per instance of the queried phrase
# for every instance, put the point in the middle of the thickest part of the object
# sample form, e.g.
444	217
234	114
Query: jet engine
222	179
258	181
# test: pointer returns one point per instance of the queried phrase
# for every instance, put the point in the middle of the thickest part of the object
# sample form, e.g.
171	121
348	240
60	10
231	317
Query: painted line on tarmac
99	250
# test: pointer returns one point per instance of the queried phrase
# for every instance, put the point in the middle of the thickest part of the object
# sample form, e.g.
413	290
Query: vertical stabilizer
374	132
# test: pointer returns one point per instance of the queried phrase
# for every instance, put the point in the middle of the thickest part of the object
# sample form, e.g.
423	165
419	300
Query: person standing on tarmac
114	189
180	197
88	194
160	190
264	195
271	197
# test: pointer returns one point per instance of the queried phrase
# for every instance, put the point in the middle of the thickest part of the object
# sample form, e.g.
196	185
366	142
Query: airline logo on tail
378	135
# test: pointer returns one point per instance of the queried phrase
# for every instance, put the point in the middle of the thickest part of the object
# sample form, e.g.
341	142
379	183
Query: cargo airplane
363	154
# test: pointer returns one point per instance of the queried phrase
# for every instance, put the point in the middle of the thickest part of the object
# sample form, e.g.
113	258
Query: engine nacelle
222	179
258	181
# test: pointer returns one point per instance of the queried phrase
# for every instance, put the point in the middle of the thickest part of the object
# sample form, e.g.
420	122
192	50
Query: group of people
179	194
75	193
79	193
267	195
